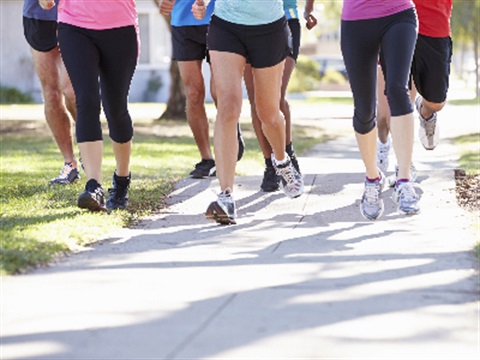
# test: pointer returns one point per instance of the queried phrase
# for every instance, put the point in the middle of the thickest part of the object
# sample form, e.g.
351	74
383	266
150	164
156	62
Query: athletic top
182	14
98	14
290	8
373	9
33	10
249	12
434	17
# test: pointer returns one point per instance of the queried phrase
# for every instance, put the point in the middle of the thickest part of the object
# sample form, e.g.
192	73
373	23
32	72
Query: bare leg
402	128
122	153
284	106
191	73
367	144
227	68
52	80
92	152
383	110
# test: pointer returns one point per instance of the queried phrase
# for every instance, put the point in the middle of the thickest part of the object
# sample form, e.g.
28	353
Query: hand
46	4
311	21
199	9
166	6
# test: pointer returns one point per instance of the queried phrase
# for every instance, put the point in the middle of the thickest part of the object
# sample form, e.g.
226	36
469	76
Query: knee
195	94
52	96
435	107
399	100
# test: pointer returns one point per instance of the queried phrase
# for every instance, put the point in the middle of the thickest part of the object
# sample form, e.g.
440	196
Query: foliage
306	76
10	95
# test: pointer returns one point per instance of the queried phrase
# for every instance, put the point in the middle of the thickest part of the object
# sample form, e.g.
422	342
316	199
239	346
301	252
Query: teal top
249	12
290	8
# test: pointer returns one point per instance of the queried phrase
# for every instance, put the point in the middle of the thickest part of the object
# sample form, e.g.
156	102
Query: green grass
467	102
469	153
39	222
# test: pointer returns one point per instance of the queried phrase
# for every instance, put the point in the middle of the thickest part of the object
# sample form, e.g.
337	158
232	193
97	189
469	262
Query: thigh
191	74
45	63
268	83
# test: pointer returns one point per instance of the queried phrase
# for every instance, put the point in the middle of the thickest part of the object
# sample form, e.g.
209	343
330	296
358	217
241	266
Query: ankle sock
91	185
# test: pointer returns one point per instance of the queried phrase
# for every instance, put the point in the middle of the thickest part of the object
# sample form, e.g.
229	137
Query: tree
465	31
176	103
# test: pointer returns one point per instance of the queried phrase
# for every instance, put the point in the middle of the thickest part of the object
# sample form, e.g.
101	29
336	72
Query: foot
203	169
291	181
406	198
428	131
371	205
118	195
223	209
93	198
68	175
383	151
392	180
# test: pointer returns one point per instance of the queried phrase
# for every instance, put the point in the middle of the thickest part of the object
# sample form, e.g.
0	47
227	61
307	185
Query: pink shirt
373	9
97	14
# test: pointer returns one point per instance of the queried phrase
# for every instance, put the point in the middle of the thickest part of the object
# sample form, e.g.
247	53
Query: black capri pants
361	42
101	64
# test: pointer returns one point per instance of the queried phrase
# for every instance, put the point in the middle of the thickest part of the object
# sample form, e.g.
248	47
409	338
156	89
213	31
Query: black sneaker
223	210
118	198
241	143
68	175
204	169
271	181
93	198
293	158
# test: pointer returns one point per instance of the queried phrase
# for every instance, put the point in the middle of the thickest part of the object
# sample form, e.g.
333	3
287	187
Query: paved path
295	279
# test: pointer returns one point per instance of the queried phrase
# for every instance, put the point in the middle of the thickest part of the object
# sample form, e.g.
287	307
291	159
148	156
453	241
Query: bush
333	77
10	95
306	76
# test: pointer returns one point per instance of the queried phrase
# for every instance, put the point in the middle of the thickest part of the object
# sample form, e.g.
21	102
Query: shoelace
407	192
67	168
288	175
372	193
430	128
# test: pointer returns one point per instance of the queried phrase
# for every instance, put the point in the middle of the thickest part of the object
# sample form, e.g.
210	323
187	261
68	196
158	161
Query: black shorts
262	45
431	67
41	35
189	43
294	25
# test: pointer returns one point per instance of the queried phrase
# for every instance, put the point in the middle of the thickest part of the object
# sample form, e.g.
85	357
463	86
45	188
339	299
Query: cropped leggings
101	64
361	42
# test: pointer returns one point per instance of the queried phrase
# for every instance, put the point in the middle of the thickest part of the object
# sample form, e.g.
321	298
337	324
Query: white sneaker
406	198
428	132
291	181
371	205
383	151
392	179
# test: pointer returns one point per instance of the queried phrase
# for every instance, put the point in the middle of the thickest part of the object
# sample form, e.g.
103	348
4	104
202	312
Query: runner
256	30
40	29
366	27
271	180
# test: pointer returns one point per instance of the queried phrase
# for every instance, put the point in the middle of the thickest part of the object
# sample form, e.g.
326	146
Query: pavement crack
180	347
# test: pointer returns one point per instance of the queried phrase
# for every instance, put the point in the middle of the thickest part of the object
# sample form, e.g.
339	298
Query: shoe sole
215	213
90	204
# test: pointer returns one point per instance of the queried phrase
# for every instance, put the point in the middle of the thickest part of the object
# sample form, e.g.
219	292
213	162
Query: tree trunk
176	102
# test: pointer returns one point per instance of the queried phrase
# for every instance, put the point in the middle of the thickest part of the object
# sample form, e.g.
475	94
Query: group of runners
252	41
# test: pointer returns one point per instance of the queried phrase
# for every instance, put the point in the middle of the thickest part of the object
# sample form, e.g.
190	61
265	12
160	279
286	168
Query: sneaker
93	198
203	169
293	158
371	205
241	143
406	198
270	180
291	181
118	198
68	175
428	132
383	151
392	180
223	210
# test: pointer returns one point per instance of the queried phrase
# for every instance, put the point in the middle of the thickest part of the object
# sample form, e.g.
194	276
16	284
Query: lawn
40	222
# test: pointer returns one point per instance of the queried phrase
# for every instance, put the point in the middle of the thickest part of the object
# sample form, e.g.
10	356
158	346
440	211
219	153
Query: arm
307	14
46	4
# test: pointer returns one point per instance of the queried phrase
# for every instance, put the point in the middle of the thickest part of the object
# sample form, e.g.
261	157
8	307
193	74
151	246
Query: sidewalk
307	278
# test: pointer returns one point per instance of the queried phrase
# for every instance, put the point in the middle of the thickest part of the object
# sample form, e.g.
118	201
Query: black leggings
361	42
111	56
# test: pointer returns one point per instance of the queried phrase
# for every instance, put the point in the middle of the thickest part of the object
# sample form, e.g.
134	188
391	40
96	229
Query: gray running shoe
428	132
291	181
383	151
392	180
223	210
93	198
68	175
406	198
371	205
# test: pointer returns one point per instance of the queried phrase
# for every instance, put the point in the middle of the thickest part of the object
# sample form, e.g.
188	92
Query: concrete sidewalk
307	278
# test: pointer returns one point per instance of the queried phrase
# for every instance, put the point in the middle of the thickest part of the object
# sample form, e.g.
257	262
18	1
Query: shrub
10	95
306	76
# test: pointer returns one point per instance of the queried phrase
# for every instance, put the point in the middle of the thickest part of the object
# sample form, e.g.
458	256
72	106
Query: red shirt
434	17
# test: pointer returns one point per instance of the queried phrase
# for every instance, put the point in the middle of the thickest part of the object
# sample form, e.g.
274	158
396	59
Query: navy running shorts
262	45
431	67
189	43
41	35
